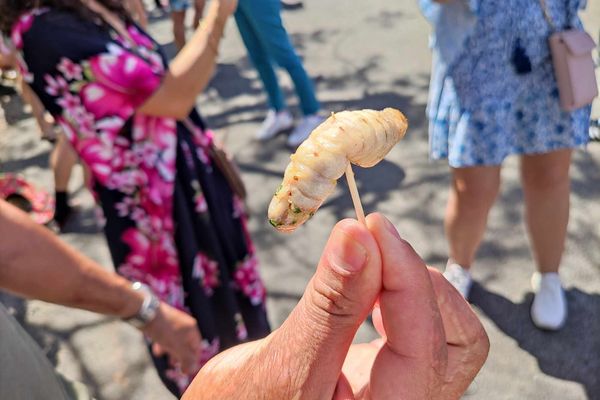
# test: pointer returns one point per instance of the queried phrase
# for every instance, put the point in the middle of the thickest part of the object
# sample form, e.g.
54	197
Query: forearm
36	264
190	71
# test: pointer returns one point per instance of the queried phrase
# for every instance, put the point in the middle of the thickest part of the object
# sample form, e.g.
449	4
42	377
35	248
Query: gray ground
369	55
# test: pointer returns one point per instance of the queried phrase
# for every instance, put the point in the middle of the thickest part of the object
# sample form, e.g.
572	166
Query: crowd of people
177	229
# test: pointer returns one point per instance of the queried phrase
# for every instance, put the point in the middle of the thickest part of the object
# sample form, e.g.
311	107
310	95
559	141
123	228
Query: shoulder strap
547	15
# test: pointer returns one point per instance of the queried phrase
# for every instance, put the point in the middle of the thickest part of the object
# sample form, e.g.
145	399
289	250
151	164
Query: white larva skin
360	137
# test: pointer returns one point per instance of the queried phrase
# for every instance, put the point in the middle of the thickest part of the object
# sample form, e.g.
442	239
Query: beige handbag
571	51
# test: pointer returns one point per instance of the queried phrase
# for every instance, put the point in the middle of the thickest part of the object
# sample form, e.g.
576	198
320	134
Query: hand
434	344
176	334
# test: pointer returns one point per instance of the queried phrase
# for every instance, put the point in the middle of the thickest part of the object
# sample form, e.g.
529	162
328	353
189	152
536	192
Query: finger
468	344
408	303
416	344
337	300
378	321
343	390
158	350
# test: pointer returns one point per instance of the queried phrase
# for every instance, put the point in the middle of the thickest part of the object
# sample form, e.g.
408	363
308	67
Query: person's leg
198	11
258	54
265	14
278	118
62	160
178	20
546	186
472	193
39	112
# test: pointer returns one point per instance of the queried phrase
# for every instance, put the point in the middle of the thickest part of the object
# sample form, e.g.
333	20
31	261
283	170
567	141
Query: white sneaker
460	278
549	308
303	129
274	123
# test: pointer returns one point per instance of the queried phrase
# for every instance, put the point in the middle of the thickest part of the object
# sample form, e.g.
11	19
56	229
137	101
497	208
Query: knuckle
331	300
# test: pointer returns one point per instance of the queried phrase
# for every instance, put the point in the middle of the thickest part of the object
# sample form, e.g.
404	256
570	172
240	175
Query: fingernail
391	228
346	255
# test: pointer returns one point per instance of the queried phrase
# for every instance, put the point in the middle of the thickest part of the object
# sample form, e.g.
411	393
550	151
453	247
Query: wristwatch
148	309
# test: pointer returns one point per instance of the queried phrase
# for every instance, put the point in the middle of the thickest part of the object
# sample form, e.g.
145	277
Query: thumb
157	350
337	300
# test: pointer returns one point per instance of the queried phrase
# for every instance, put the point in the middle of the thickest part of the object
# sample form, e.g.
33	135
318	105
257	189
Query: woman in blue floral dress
493	94
172	221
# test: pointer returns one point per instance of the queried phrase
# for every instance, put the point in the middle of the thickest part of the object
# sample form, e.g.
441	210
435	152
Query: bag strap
547	15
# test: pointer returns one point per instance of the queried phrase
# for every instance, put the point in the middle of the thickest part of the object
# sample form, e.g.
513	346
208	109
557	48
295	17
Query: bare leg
472	194
178	18
62	160
198	11
546	185
39	112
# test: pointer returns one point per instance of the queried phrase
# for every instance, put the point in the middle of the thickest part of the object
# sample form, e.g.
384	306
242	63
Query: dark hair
11	10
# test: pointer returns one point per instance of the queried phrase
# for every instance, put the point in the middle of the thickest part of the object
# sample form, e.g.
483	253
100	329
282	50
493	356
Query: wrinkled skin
432	344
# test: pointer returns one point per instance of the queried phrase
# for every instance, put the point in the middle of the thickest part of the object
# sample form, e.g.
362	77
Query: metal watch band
147	310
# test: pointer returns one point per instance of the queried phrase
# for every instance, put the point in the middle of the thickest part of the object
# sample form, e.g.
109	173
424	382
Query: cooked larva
360	137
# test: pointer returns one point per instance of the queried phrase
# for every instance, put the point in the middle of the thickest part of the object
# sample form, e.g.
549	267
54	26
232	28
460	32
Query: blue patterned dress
480	110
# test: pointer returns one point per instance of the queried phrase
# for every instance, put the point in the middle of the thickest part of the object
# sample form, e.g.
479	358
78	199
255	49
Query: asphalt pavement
362	55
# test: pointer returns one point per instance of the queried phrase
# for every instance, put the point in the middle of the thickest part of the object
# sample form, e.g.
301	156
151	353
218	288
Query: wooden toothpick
360	213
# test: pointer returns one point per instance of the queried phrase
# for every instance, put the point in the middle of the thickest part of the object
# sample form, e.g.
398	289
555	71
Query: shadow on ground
569	354
14	108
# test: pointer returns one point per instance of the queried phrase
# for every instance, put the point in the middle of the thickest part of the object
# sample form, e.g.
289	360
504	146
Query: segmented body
359	137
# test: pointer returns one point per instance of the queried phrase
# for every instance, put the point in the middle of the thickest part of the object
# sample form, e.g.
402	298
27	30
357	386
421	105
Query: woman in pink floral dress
172	221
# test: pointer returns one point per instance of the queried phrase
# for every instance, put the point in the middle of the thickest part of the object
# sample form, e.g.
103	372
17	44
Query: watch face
148	309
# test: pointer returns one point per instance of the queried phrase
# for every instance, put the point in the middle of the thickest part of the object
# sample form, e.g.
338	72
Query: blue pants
267	42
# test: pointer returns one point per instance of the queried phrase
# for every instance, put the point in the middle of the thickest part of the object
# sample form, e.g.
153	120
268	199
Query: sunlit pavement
362	55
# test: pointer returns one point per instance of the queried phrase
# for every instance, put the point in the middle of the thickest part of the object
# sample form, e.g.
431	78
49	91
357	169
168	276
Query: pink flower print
239	208
112	125
126	206
240	327
22	25
248	281
187	153
203	155
69	130
181	380
4	49
70	103
139	37
209	350
70	70
103	102
207	271
200	203
152	257
147	152
199	199
56	86
123	81
127	181
97	157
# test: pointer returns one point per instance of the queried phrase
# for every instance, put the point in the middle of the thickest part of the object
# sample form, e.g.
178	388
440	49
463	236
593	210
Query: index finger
409	308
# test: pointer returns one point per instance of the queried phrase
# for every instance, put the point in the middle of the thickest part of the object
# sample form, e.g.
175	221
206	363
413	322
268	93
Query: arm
36	264
192	68
431	347
136	9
